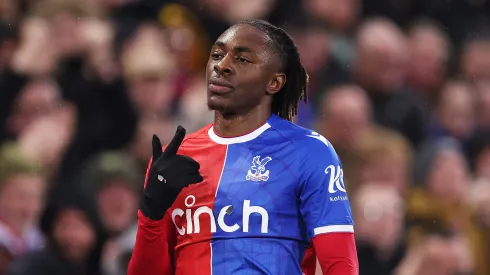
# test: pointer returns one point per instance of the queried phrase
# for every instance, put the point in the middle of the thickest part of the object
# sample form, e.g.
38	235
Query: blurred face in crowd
381	56
456	109
21	200
118	204
98	38
241	71
313	47
241	10
74	234
151	93
379	212
475	61
449	176
386	169
37	99
38	142
67	28
188	43
428	58
341	15
147	126
233	11
149	68
346	114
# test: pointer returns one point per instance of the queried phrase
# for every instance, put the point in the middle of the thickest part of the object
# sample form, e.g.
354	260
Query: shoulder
198	138
191	140
307	143
199	134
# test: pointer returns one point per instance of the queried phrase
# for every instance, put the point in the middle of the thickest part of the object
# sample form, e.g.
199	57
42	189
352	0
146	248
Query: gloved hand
168	175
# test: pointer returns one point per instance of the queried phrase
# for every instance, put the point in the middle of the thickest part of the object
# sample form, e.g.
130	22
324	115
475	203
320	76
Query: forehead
246	36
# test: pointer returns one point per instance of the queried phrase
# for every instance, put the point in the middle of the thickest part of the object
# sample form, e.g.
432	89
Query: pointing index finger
157	147
176	141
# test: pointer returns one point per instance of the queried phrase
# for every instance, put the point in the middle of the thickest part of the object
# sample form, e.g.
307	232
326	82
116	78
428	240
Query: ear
277	82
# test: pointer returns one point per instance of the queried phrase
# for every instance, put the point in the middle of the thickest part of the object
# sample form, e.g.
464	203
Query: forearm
337	253
151	251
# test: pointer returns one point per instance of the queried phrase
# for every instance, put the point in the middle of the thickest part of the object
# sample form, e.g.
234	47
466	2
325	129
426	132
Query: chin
218	104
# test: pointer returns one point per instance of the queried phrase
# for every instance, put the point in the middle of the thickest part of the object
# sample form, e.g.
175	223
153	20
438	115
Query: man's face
74	233
241	66
118	203
21	201
38	99
346	116
379	214
449	177
456	110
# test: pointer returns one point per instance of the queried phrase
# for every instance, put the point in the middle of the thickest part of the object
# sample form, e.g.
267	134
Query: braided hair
285	102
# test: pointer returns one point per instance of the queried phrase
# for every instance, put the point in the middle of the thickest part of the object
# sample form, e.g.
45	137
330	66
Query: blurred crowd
400	87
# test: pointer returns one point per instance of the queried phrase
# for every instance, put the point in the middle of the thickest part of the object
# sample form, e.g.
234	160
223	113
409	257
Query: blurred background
400	87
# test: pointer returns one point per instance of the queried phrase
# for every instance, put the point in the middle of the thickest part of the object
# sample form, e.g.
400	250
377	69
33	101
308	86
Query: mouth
219	86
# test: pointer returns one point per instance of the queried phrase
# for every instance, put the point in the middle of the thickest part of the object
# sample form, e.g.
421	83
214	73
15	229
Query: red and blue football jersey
265	195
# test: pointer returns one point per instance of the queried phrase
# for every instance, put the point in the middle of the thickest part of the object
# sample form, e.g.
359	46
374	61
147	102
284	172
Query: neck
238	125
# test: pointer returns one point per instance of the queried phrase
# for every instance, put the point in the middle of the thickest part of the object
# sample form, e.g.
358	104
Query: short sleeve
324	204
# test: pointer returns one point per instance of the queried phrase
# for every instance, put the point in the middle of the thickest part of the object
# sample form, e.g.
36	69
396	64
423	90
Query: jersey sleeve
324	204
153	250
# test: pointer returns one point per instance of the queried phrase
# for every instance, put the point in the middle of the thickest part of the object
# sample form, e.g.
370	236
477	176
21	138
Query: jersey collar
240	139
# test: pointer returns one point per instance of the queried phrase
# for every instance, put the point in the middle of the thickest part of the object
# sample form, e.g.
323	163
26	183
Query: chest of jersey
249	190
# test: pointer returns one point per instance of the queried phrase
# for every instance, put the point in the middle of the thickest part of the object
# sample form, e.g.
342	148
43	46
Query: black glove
168	175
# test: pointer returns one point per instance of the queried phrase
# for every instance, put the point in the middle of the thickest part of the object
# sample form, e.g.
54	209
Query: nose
223	67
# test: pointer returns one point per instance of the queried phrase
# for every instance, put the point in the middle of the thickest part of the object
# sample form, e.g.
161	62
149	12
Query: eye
243	60
216	56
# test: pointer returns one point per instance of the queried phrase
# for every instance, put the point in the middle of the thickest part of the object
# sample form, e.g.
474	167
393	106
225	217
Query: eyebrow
239	49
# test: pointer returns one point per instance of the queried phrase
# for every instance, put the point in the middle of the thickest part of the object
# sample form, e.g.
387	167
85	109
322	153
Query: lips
219	86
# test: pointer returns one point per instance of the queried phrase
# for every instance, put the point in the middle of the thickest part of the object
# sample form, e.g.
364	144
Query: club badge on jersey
258	172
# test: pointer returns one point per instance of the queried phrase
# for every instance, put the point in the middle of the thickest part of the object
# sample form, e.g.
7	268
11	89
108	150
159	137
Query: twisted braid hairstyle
285	102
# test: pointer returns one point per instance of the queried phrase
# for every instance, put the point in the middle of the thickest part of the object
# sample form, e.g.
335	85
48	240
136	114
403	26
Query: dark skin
245	60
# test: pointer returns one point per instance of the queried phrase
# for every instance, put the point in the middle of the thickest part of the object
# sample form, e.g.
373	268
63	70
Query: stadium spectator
381	69
429	55
440	204
22	189
454	112
379	210
75	238
385	157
